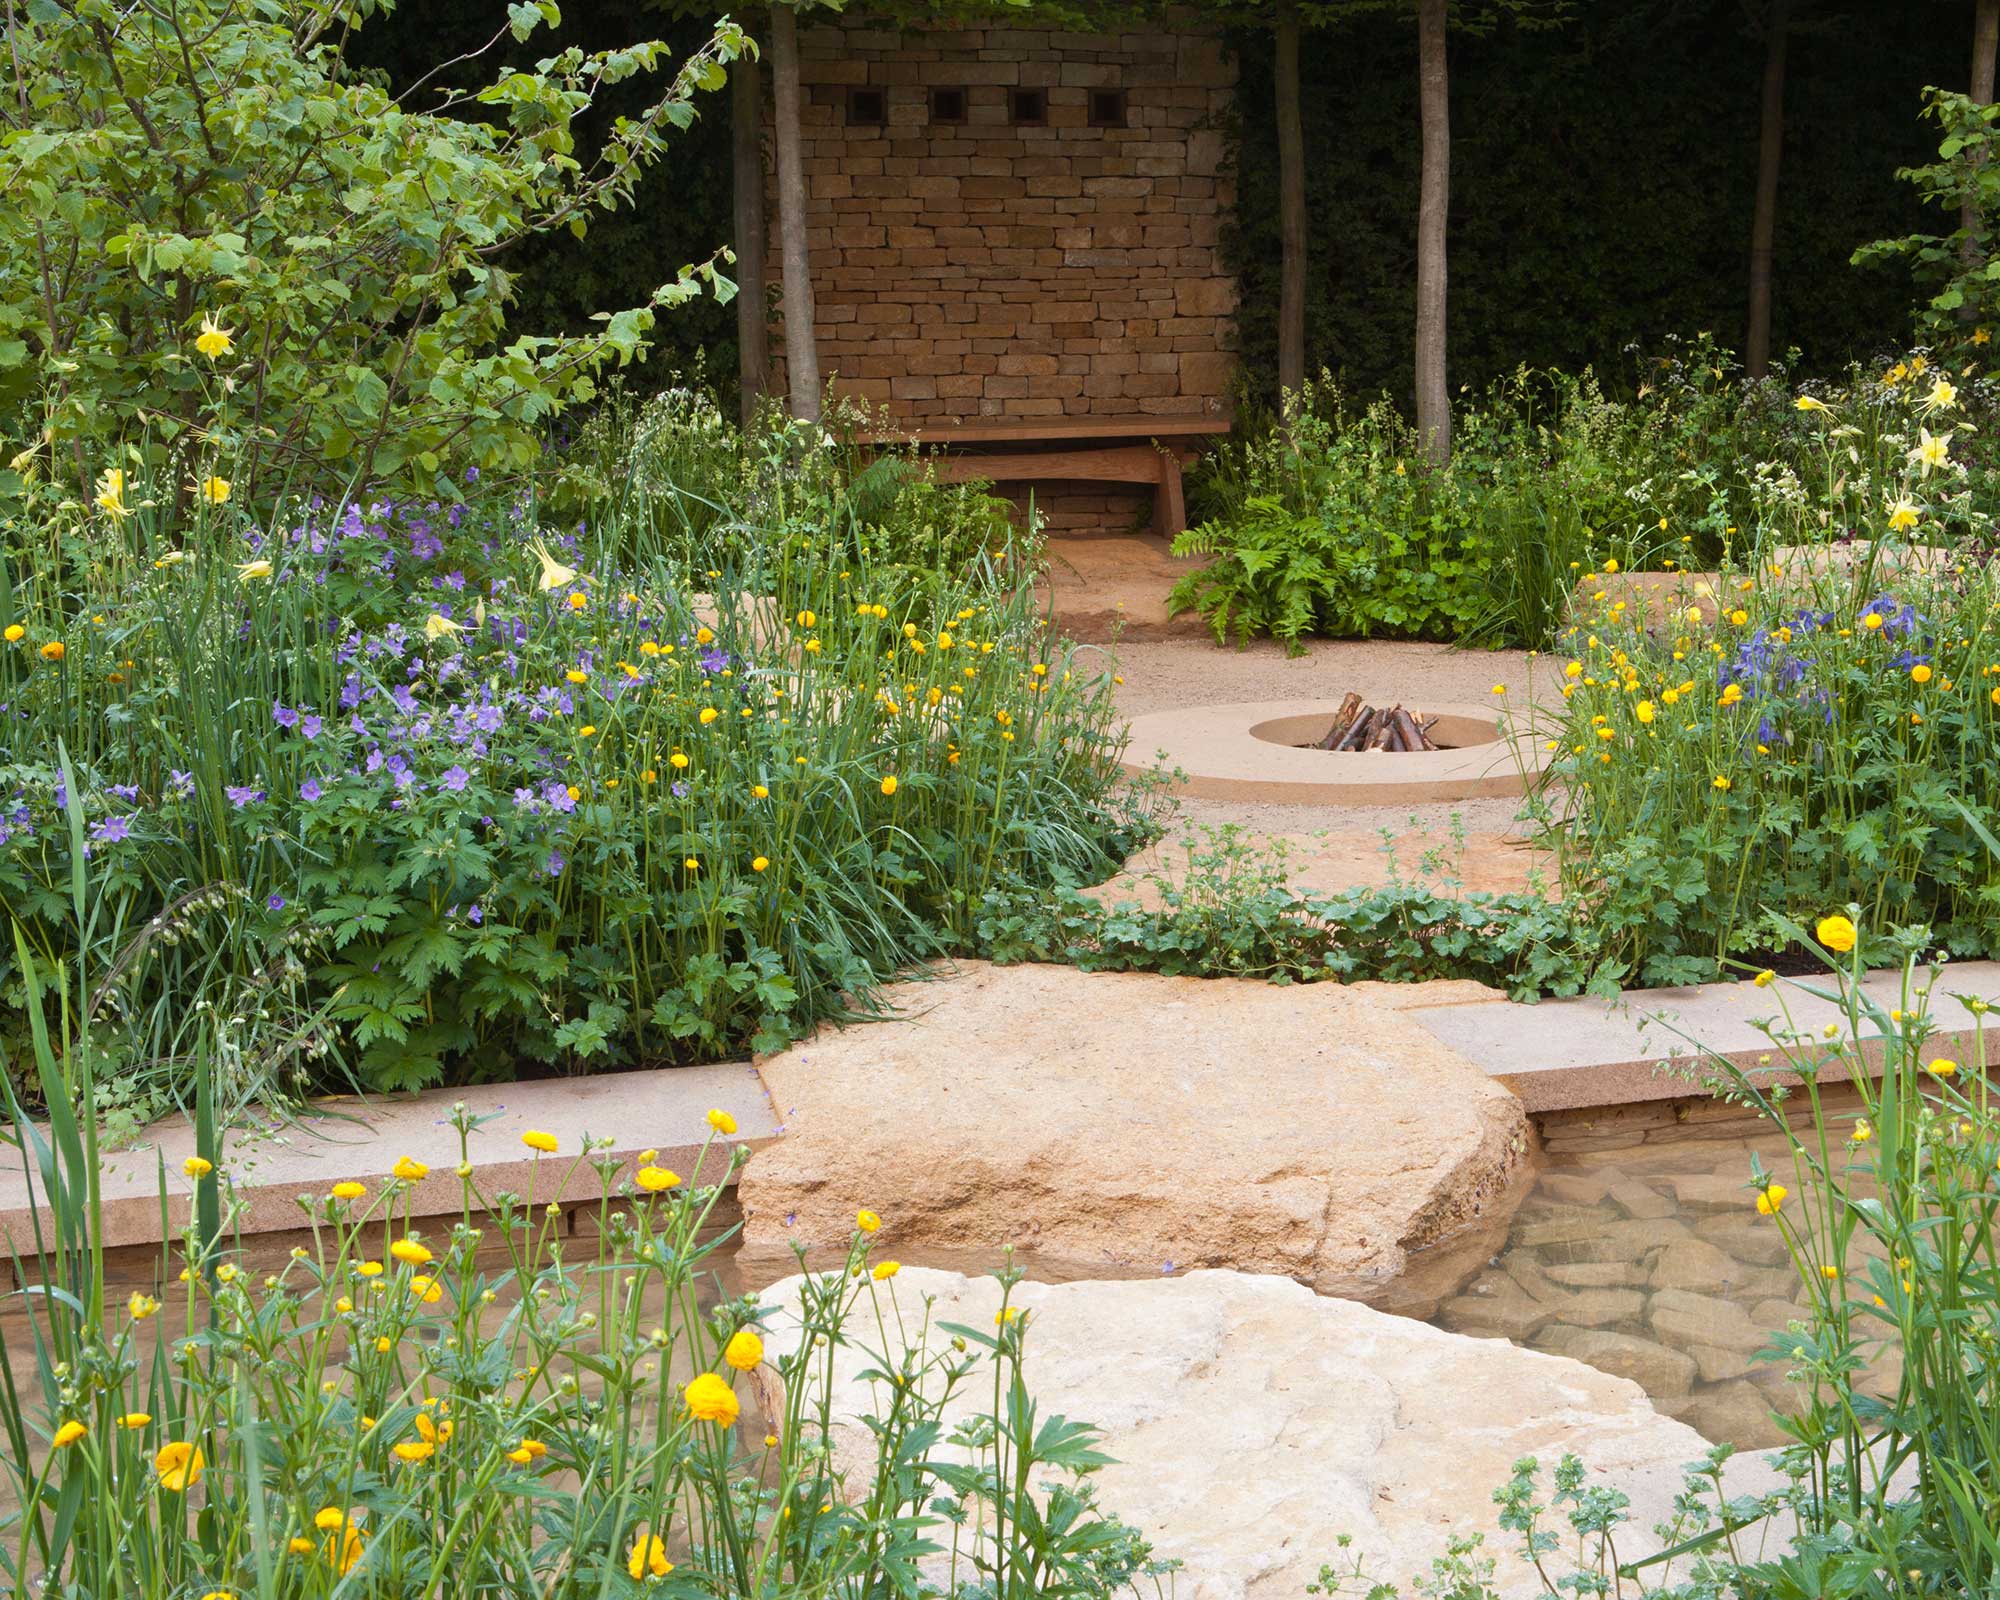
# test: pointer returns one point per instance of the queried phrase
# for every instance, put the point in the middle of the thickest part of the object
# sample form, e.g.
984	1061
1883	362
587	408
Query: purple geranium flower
112	829
283	715
311	725
242	794
454	779
310	790
554	865
275	903
125	791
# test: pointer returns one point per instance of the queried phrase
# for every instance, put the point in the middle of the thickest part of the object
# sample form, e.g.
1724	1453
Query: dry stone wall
969	260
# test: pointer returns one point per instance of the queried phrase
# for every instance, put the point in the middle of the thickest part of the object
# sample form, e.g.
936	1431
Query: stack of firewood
1360	727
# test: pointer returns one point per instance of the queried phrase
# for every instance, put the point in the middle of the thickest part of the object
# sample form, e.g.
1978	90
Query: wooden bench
1148	450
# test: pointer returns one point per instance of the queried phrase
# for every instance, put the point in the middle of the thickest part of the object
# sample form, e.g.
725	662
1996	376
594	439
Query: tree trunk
753	333
1433	207
1292	210
801	352
1764	221
1985	44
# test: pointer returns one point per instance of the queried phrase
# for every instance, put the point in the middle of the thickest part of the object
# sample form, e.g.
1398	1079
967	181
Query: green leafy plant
224	231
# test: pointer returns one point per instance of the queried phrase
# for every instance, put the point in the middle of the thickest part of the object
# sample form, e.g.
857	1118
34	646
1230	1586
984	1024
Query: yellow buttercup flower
885	1270
1644	711
1941	1067
141	1306
1770	1198
889	784
349	1190
427	1289
410	1171
179	1466
15	633
535	1139
721	1121
1920	673
657	1180
67	1434
744	1350
866	1220
133	1420
410	1252
710	1399
214	340
197	1167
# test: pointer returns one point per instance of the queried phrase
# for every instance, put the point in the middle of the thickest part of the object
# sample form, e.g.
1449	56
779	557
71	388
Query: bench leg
1169	504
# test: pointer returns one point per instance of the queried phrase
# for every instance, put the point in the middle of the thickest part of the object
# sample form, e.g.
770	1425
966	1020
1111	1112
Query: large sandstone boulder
1252	1422
1124	1123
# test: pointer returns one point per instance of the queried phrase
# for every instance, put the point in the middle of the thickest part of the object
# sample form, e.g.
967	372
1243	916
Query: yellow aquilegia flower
1941	398
1902	518
554	574
251	571
437	625
710	1399
214	340
111	495
1933	450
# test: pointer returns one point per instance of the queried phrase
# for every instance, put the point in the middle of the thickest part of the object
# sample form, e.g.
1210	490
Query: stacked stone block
991	269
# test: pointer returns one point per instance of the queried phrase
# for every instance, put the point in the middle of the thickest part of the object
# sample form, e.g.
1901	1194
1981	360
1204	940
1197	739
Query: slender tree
802	380
1291	207
1433	209
1764	220
1985	45
753	333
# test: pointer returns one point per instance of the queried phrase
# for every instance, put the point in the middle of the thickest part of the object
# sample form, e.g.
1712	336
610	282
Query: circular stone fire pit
1252	752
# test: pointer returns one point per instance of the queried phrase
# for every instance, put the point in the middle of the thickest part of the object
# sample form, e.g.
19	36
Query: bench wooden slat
1126	464
1028	430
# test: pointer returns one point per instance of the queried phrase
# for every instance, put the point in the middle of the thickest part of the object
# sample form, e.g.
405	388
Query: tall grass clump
489	1407
468	785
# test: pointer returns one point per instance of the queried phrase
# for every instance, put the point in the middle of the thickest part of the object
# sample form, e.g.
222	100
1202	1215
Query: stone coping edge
271	1164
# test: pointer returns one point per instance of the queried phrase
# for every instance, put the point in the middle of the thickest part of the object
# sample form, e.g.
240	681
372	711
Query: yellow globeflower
179	1466
721	1121
710	1399
196	1167
68	1434
866	1220
744	1350
214	490
649	1557
1836	933
1920	673
16	633
54	650
889	784
214	340
1644	711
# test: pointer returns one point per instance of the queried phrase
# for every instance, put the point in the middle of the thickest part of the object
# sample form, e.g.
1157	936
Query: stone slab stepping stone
272	1163
1565	1054
1251	1423
1113	1124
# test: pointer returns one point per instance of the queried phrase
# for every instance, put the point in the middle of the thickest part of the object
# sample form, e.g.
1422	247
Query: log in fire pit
1363	727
